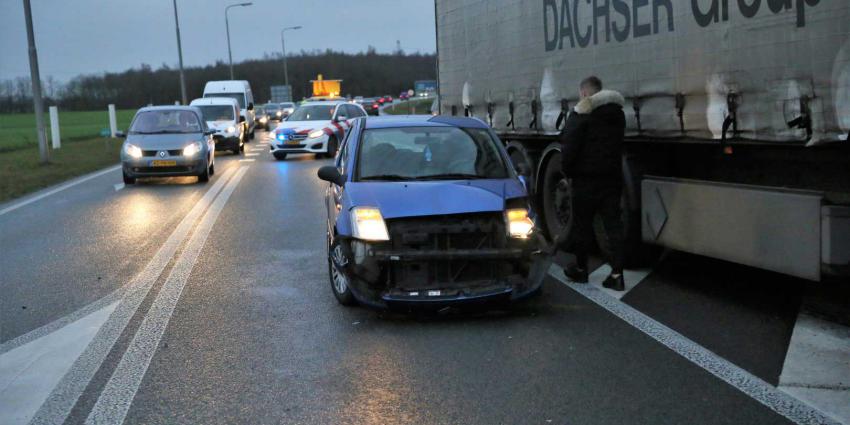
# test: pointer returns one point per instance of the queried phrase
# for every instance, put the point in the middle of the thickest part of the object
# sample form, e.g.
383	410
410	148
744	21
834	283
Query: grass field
83	150
17	131
416	106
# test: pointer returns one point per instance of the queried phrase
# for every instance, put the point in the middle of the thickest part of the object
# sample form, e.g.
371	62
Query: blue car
426	211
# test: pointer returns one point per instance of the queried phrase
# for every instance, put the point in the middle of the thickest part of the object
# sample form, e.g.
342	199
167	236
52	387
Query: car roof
170	108
323	102
214	101
395	121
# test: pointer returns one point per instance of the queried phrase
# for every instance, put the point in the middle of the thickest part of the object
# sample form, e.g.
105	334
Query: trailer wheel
555	197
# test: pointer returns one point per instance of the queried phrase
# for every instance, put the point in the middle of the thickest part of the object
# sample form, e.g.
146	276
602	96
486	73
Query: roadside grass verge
17	131
20	172
415	107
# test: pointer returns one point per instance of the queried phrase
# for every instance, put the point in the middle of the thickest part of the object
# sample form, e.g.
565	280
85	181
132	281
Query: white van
223	119
239	90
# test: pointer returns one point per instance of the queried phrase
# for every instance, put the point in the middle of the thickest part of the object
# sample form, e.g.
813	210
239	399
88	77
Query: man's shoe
615	283
576	274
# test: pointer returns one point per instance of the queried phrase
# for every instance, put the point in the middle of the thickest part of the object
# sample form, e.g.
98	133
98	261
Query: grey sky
91	36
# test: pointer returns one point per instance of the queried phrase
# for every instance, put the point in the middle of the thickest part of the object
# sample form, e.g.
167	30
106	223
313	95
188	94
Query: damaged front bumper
382	276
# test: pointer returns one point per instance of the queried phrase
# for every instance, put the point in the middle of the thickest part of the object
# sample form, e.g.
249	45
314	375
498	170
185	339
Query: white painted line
30	372
247	160
817	366
63	398
632	278
118	186
776	400
114	402
251	154
58	189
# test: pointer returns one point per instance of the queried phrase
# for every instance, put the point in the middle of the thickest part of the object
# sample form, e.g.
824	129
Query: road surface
172	302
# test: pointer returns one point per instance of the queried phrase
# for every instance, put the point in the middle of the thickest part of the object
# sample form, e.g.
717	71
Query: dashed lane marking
117	396
247	160
766	394
251	154
118	186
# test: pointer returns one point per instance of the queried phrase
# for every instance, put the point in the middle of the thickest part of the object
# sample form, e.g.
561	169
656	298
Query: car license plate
160	163
291	142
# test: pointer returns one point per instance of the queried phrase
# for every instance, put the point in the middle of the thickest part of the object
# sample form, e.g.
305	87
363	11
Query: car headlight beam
132	151
315	134
368	224
192	150
519	225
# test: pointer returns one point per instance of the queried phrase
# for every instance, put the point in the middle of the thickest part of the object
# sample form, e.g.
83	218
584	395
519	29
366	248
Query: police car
315	127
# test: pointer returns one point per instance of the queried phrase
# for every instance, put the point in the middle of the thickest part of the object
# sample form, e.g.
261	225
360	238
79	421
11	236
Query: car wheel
332	147
251	136
339	282
128	179
279	156
212	169
205	175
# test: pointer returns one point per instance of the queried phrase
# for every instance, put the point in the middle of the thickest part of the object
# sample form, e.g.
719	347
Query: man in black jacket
591	155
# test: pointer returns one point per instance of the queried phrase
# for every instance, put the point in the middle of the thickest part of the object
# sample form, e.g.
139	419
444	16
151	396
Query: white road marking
247	160
114	402
29	372
63	397
251	154
776	400
632	278
118	186
58	189
817	366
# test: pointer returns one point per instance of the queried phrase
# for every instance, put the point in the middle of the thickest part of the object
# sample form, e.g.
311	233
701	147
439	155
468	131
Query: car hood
300	126
220	125
163	141
414	199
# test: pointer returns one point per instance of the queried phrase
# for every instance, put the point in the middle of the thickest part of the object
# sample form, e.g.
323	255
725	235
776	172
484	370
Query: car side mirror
241	119
340	118
209	133
120	134
329	173
250	106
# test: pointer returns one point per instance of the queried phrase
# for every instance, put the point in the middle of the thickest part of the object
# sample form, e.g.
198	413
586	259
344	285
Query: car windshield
238	96
166	121
217	112
429	153
312	113
287	105
270	108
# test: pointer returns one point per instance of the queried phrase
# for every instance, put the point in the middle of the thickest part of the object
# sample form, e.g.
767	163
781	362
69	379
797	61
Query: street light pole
180	55
227	26
283	45
37	101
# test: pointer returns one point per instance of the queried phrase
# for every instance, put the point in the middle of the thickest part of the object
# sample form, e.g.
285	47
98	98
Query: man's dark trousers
591	197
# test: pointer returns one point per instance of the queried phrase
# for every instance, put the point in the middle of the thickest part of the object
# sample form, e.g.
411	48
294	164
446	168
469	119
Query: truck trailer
738	116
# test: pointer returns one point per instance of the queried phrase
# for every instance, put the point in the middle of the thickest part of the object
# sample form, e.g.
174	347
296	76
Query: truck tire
554	196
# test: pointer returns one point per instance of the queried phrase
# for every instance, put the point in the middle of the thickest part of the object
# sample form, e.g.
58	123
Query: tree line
364	74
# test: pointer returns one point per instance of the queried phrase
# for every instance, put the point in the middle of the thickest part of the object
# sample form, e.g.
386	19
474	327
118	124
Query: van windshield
217	112
238	96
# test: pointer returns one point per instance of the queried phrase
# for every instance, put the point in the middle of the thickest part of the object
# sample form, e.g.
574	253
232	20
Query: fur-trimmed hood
603	97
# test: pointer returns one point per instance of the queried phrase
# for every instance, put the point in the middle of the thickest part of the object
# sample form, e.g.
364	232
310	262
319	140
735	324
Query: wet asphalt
257	337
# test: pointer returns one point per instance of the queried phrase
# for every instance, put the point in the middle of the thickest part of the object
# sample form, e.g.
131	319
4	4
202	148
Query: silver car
168	141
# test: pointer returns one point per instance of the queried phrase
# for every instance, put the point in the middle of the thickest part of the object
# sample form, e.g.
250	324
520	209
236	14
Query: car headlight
316	134
192	149
132	151
519	225
278	113
230	130
368	224
263	119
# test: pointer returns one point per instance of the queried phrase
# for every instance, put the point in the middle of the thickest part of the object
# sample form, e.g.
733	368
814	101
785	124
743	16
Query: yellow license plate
293	142
159	163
